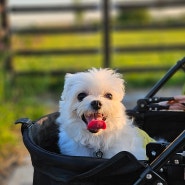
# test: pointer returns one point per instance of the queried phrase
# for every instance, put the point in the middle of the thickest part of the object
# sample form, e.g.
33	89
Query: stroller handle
168	75
164	79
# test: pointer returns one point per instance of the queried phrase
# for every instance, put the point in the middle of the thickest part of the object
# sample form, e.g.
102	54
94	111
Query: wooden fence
106	49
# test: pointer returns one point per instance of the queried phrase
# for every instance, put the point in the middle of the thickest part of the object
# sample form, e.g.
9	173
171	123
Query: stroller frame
179	65
174	147
160	162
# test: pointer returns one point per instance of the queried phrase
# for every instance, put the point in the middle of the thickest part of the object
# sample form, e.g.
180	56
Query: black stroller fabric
160	124
55	169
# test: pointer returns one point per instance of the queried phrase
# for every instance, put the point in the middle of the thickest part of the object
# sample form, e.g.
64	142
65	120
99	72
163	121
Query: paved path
23	175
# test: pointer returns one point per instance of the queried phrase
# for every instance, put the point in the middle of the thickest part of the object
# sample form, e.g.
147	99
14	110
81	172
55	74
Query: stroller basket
167	167
56	169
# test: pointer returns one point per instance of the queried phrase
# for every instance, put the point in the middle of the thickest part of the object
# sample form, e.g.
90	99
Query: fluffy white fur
74	137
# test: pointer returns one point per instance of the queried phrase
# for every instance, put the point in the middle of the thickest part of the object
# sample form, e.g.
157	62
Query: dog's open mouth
94	121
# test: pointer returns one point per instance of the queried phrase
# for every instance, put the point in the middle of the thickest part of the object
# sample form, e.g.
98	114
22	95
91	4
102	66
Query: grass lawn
14	107
132	38
118	60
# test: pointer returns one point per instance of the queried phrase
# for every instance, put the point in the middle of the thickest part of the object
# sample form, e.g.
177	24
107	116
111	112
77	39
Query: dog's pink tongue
94	125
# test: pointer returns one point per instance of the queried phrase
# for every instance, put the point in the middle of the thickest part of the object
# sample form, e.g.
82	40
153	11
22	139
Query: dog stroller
165	164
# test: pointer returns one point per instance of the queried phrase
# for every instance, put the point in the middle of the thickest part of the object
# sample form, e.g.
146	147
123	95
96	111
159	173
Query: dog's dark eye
81	96
108	95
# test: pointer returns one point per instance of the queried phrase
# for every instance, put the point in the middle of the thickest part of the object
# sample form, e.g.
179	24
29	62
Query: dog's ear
68	80
67	84
119	82
68	75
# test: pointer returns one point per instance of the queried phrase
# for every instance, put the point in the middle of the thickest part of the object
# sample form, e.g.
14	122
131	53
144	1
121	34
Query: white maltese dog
92	119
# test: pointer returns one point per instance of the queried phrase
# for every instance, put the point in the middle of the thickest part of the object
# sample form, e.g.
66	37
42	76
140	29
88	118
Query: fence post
106	33
2	22
6	49
6	35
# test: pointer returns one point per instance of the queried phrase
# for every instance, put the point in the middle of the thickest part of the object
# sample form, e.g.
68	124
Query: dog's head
91	102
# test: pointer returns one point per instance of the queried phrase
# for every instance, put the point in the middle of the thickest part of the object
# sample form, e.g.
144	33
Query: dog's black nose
96	105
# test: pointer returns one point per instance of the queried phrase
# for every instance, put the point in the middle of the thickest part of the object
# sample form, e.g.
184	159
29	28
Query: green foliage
12	108
10	112
183	89
78	13
133	16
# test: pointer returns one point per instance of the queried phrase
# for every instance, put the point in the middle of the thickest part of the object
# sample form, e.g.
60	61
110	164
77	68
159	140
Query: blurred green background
35	96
